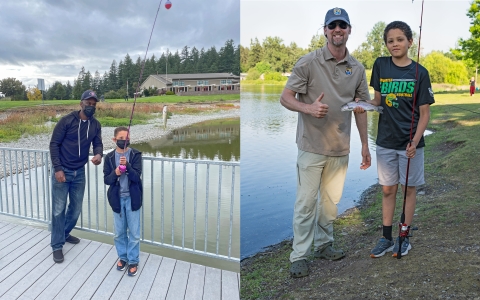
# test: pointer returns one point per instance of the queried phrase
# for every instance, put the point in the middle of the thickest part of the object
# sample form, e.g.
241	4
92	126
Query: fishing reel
405	230
122	168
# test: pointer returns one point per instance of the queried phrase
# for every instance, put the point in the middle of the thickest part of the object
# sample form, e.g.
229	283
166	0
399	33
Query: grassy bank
20	121
5	105
444	262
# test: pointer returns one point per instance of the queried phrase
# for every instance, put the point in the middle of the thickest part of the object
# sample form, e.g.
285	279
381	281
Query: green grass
5	105
452	153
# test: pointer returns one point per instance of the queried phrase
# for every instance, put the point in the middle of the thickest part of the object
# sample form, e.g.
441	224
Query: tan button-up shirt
341	82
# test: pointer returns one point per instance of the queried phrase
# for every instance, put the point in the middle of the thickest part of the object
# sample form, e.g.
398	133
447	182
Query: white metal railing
188	205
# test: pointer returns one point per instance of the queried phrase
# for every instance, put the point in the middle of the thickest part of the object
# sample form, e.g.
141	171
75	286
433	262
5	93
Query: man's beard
338	42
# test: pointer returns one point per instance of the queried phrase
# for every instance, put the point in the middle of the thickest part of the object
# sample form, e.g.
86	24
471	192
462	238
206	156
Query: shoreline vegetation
444	261
26	118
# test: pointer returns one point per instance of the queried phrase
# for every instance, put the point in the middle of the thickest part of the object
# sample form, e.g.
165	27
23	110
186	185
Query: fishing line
123	168
404	228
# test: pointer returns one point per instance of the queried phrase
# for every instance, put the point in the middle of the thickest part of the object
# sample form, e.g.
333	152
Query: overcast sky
444	22
53	39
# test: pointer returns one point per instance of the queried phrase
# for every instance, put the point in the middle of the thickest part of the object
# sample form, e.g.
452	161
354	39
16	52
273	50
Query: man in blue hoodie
69	151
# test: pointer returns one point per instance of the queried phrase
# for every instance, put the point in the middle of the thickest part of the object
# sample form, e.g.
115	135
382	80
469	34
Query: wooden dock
27	271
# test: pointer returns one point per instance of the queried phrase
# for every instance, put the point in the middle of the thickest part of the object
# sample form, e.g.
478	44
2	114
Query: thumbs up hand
317	108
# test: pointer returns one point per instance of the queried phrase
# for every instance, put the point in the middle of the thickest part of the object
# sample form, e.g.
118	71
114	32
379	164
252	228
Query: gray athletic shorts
392	167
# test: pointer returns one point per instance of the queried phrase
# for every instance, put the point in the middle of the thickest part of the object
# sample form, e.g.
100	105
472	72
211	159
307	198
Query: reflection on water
211	140
269	153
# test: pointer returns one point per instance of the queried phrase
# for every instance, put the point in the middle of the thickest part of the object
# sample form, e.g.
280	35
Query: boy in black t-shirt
394	81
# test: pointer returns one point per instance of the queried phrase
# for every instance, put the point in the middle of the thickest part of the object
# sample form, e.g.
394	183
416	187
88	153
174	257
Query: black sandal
121	265
132	269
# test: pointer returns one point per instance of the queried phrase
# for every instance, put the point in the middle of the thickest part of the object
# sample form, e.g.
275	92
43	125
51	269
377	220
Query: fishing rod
168	5
404	229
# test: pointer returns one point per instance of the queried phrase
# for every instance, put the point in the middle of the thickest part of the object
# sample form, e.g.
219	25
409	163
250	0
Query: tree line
113	82
273	57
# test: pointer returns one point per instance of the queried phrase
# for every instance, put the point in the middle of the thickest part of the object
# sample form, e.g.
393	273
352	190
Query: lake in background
269	153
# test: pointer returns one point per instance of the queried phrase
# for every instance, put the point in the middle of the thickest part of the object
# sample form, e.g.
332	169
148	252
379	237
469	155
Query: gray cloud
58	37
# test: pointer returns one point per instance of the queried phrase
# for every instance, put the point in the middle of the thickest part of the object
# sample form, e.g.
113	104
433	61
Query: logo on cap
92	94
337	11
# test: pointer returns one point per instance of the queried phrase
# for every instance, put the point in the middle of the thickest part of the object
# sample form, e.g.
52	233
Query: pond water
269	153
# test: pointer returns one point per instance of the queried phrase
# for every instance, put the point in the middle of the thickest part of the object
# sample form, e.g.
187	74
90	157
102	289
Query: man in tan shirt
323	81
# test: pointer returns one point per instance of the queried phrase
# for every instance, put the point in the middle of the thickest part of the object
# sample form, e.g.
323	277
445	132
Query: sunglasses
333	25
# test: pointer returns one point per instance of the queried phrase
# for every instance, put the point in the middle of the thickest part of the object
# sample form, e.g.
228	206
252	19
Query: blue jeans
74	188
127	243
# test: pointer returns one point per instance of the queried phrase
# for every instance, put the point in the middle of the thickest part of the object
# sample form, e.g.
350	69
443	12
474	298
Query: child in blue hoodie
122	171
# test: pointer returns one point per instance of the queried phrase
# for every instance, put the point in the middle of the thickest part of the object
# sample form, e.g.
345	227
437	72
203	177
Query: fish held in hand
350	106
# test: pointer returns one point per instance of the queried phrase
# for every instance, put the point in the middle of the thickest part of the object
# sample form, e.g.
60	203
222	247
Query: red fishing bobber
168	4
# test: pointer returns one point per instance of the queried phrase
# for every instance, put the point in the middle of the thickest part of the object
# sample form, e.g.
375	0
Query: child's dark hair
398	25
118	129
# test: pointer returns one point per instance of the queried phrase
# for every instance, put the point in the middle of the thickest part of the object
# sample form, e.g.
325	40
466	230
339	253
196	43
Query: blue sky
444	22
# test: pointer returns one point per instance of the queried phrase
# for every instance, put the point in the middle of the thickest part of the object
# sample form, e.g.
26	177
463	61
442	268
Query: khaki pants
313	218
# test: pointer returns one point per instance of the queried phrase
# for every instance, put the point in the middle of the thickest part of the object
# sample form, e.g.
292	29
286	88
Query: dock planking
27	271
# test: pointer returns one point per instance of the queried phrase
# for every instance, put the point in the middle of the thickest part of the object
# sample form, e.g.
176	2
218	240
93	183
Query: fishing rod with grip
123	168
404	229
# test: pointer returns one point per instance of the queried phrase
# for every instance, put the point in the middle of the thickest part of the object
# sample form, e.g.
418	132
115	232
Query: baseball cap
89	94
336	14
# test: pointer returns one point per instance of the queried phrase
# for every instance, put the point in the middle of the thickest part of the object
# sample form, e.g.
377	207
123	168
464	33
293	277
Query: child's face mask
121	143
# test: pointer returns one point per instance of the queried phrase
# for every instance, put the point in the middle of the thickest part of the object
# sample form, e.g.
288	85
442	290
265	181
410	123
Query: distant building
200	83
2	95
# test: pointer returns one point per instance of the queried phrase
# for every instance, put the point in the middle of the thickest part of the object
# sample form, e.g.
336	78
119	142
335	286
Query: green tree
112	80
255	54
185	61
317	41
443	70
373	47
13	88
60	91
293	54
274	53
469	49
87	81
437	65
195	55
244	59
263	67
226	57
236	61
68	90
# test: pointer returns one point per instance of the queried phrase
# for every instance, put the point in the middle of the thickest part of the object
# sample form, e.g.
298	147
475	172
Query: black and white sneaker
383	246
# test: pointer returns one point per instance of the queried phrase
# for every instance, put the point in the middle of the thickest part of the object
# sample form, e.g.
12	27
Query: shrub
276	76
170	93
253	74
